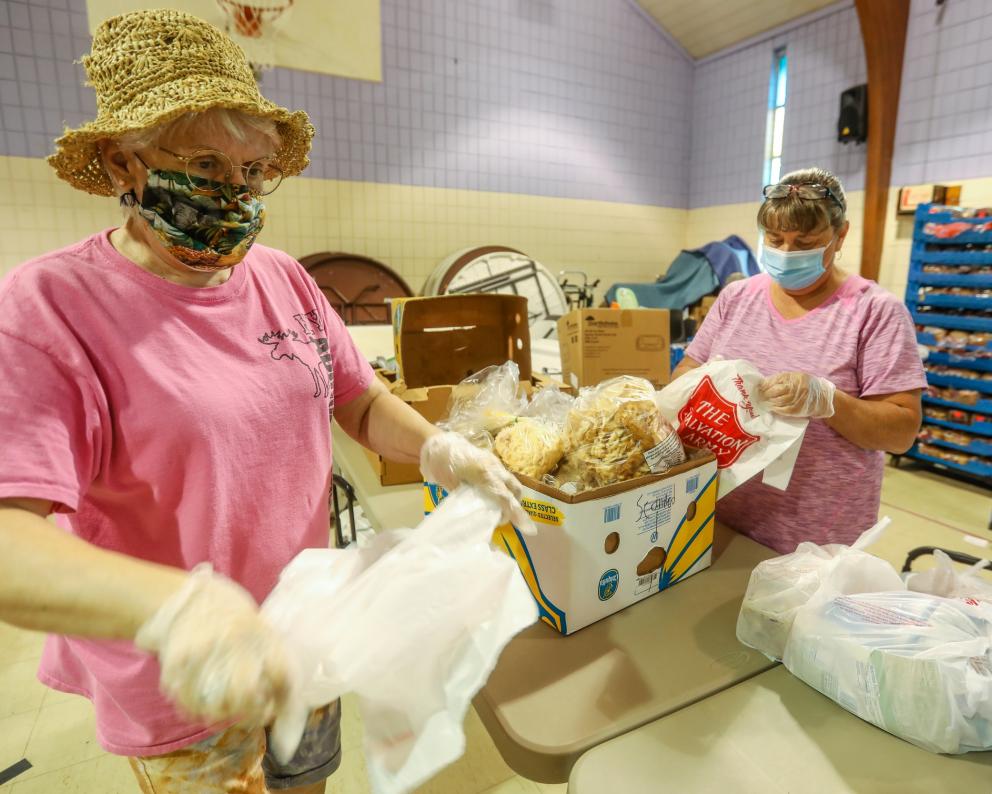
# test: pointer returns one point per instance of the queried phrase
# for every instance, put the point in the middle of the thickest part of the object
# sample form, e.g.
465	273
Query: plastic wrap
483	404
550	405
412	624
951	581
915	665
780	587
615	432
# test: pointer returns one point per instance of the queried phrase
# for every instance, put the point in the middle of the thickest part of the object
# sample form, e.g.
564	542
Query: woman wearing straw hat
166	391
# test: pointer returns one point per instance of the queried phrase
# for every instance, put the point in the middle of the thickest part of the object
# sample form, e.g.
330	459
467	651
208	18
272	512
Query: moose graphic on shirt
308	348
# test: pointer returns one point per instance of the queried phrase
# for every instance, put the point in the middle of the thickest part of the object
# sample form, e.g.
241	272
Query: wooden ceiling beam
883	30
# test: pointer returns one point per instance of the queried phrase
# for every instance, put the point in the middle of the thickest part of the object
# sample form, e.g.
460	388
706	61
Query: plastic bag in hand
719	407
915	665
412	624
779	587
946	579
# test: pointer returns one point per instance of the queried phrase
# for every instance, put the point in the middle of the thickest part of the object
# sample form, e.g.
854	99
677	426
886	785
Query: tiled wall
944	132
565	98
561	128
40	87
825	58
730	106
410	228
729	110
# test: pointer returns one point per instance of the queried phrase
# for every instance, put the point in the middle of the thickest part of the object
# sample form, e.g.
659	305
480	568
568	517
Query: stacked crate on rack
950	297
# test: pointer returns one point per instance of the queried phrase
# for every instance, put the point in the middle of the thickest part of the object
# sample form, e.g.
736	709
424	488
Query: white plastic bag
412	624
718	406
779	587
915	665
946	579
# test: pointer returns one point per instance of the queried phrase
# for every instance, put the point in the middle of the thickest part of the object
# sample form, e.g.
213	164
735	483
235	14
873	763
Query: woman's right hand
220	659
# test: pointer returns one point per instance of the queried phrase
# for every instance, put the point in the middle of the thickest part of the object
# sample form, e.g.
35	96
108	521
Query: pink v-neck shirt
862	339
174	424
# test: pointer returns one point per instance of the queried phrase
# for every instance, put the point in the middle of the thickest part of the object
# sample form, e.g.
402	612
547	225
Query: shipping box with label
599	344
598	552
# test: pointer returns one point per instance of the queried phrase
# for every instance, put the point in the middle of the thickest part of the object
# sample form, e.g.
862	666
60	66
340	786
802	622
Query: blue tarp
693	275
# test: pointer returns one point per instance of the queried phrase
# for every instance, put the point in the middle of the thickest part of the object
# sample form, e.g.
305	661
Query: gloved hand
449	460
800	395
220	660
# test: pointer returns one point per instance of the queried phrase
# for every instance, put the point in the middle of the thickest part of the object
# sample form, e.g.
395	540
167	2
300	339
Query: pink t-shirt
862	339
175	424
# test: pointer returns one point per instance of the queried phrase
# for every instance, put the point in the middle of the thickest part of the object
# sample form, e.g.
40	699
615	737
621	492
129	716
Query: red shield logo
709	421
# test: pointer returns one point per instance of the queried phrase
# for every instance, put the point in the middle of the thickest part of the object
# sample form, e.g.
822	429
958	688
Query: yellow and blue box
598	552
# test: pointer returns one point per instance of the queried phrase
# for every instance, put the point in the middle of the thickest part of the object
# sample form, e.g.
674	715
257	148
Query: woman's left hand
450	460
800	395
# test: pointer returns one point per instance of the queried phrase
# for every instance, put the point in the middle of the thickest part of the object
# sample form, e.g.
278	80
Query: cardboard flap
697	458
446	339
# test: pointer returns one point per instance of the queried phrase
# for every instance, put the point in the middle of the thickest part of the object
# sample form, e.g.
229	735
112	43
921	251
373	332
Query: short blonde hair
794	214
235	123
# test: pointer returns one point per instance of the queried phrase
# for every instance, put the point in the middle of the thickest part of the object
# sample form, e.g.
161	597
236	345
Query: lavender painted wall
730	106
944	130
569	98
566	98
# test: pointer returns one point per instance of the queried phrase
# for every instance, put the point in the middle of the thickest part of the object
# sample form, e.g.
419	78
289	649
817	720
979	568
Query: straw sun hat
150	67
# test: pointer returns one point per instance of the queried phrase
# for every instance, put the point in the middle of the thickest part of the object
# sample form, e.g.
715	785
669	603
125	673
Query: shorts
236	761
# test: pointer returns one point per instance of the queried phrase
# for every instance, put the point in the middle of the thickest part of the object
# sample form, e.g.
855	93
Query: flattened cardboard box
601	551
599	344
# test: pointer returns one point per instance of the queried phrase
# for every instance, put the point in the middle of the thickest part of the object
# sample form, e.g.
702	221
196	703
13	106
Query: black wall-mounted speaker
853	122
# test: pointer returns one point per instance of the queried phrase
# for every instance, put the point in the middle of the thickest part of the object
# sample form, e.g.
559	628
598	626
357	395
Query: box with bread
622	508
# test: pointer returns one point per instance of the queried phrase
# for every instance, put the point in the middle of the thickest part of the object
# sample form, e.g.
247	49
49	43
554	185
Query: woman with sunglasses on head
166	391
835	348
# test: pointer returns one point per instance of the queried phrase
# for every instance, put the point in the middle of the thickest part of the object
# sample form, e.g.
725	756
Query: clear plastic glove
450	460
220	660
798	394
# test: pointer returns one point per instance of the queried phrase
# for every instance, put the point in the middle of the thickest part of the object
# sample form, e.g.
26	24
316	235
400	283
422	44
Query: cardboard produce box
441	341
598	552
599	344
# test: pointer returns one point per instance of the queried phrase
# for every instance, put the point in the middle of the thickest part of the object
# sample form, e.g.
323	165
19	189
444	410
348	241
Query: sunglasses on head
810	192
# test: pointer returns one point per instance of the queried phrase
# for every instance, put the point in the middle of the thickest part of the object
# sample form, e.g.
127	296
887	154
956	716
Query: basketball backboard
339	37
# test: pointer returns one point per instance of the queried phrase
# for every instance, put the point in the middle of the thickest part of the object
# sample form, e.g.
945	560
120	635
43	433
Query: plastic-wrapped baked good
529	447
615	432
482	405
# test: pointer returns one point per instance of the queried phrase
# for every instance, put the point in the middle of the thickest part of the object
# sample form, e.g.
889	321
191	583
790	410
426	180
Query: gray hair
235	123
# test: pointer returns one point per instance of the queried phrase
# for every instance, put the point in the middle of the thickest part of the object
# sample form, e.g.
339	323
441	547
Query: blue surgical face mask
793	270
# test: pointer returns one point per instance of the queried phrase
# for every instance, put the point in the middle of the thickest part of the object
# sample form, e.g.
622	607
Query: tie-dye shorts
236	761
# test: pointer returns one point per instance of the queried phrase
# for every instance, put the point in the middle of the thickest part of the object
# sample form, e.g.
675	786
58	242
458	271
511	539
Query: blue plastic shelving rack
942	237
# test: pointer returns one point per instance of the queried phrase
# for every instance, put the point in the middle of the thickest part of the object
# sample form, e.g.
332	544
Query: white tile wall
944	132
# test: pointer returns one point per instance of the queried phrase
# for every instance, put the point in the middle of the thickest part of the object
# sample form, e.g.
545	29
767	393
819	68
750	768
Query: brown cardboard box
431	402
599	344
443	340
700	312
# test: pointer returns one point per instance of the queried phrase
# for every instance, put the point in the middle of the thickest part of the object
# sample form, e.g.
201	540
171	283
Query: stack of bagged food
913	656
607	434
